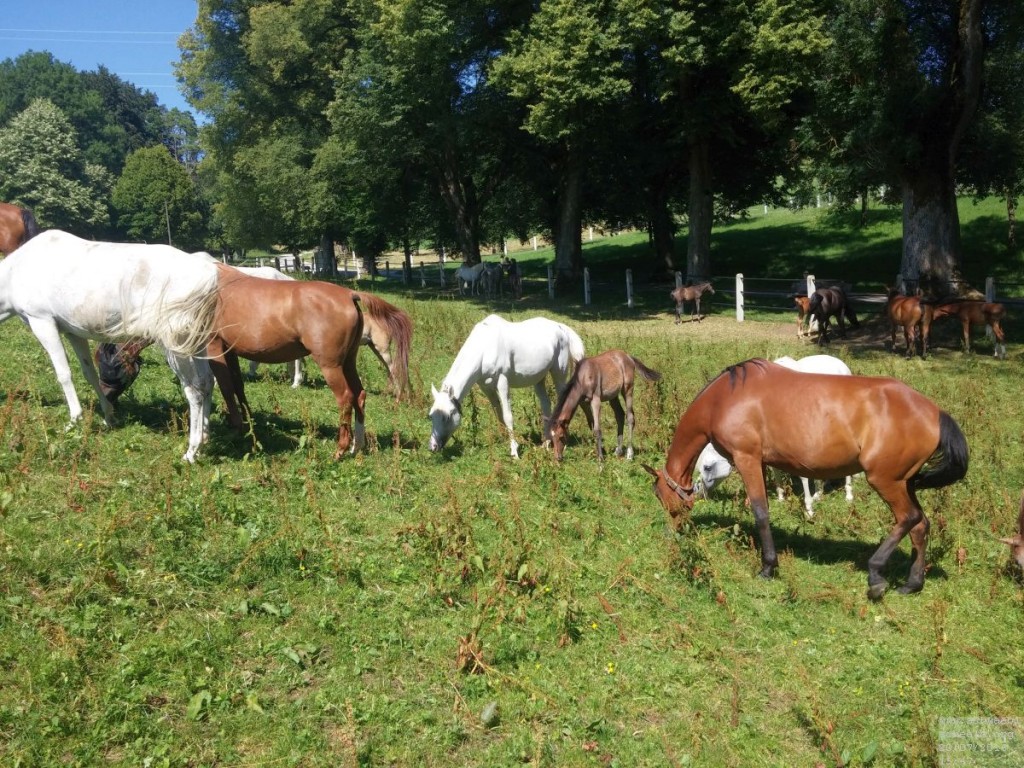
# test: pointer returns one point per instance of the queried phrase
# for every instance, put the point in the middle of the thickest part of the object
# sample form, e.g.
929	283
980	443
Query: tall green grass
268	606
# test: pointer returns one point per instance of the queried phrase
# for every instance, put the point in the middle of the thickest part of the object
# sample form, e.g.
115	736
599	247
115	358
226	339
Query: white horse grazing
58	283
469	276
714	467
499	355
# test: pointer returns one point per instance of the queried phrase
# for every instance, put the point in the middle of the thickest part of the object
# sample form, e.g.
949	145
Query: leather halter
682	493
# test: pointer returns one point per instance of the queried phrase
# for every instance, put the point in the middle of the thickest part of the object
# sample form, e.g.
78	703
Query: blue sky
135	39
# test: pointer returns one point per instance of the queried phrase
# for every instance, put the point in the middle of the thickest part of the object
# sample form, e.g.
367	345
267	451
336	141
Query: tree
156	201
42	167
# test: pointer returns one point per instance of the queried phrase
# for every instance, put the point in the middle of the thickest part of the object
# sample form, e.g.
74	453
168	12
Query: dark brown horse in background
913	316
759	414
971	312
685	293
831	302
17	227
602	378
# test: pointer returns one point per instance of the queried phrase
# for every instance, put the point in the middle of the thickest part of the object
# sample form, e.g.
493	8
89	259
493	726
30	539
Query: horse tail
182	325
28	221
399	327
950	457
576	349
647	373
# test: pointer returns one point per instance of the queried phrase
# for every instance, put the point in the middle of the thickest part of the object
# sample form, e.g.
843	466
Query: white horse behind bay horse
60	284
714	467
499	355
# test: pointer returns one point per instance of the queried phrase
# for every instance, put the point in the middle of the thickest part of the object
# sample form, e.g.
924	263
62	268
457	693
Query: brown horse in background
685	293
17	227
759	414
971	312
913	316
602	378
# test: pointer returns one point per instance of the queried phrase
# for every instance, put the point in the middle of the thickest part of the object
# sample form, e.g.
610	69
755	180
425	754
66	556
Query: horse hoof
768	572
875	591
909	589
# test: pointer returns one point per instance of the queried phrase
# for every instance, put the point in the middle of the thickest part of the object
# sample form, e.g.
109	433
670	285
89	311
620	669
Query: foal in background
602	378
975	313
685	293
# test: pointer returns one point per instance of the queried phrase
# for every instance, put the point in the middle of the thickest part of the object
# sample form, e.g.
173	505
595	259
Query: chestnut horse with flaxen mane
759	414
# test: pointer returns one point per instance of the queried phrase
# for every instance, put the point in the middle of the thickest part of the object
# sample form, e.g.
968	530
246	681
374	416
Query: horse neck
690	437
465	371
569	400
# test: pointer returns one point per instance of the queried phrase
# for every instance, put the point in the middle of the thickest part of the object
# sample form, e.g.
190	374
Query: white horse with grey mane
714	467
499	356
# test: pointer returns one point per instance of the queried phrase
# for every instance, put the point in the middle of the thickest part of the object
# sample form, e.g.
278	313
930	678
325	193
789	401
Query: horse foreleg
1000	345
808	498
196	379
620	425
297	375
503	409
81	349
595	407
545	407
227	381
909	516
679	312
696	303
46	331
751	470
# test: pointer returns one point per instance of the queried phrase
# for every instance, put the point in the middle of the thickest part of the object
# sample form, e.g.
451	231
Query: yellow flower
611	668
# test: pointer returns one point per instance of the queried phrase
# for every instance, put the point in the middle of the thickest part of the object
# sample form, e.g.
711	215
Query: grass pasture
268	606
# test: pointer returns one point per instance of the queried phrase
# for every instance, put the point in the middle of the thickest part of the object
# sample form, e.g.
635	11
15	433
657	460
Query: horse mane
399	326
739	370
28	219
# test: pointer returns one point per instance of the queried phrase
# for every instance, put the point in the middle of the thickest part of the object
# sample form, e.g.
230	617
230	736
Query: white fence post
551	282
739	297
810	285
629	288
423	276
586	286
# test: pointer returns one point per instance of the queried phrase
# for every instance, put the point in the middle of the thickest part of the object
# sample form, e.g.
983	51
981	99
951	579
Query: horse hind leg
909	519
349	396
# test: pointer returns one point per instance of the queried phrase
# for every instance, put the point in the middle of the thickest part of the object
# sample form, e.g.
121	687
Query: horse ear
433	392
651	471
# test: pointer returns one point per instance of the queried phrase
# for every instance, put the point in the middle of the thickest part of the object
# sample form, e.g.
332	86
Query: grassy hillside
268	606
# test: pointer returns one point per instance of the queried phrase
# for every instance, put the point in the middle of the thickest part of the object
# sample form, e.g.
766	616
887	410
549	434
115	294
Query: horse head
673	497
445	416
559	434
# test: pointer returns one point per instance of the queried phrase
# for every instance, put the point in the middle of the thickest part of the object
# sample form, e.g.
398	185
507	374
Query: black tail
28	220
950	457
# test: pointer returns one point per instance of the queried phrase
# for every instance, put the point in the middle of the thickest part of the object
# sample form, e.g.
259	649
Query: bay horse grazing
60	284
756	414
17	227
602	378
913	316
831	302
971	312
685	293
1016	541
499	356
714	467
377	335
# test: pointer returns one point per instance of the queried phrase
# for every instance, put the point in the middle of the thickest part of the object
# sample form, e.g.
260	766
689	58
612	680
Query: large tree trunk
931	233
459	194
702	210
663	230
569	227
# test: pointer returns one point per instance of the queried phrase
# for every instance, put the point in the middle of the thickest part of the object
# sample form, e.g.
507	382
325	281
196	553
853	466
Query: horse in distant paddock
468	276
499	355
971	312
759	414
804	318
913	316
17	227
62	285
685	293
831	302
602	378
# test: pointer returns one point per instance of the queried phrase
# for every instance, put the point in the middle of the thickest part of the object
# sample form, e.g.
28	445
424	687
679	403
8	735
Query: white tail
576	349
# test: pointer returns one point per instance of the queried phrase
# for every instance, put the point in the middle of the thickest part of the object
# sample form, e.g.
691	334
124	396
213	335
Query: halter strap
680	491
